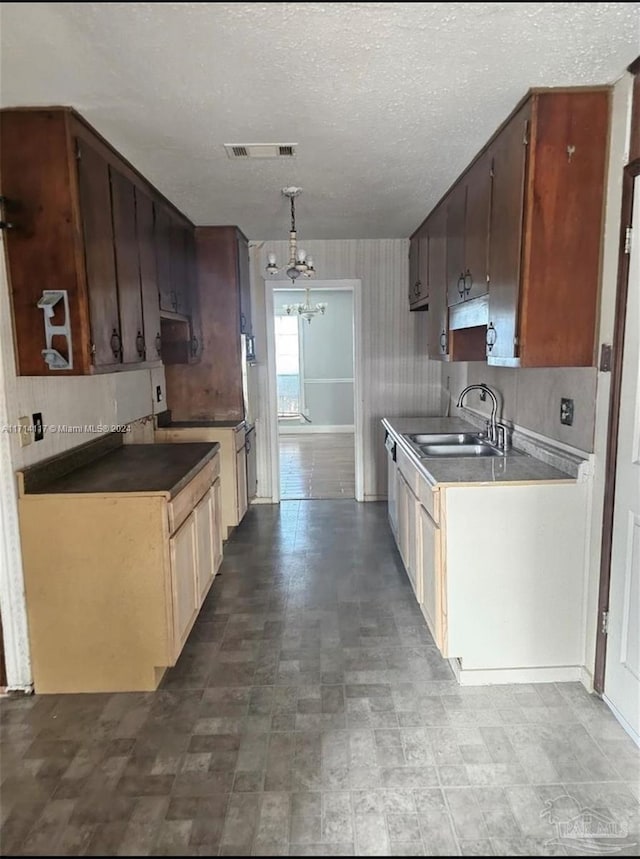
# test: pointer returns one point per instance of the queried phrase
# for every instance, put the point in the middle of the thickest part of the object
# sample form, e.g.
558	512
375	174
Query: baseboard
304	429
491	676
586	678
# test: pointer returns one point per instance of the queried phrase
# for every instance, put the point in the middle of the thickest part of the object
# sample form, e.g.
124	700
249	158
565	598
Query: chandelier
299	264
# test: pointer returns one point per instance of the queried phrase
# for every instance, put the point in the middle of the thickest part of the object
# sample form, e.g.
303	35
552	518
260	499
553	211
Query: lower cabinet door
205	525
183	580
430	575
392	491
241	483
216	490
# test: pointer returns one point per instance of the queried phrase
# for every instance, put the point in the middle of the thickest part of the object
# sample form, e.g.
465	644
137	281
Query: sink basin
448	438
469	450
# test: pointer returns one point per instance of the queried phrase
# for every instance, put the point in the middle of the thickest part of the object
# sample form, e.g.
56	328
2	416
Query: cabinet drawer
429	498
184	502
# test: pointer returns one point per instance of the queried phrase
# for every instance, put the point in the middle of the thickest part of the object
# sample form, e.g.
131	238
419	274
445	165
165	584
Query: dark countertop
135	468
221	424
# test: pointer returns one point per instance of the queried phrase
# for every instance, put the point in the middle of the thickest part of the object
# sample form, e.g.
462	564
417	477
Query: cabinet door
392	495
217	525
97	228
123	202
148	276
423	266
244	282
509	154
205	525
413	269
455	206
407	531
178	265
430	574
476	229
162	241
241	482
183	579
438	316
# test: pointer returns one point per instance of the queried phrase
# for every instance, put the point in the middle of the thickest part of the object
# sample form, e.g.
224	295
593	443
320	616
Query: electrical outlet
566	411
38	426
158	393
26	433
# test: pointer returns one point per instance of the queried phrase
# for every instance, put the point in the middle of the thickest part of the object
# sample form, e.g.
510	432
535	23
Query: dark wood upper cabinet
413	269
244	281
509	157
419	271
84	224
525	220
97	231
437	320
476	228
148	275
123	205
456	211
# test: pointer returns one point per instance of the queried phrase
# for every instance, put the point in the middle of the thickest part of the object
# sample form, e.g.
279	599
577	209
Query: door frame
355	285
630	172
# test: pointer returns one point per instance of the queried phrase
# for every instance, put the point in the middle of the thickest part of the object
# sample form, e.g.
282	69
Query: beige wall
397	377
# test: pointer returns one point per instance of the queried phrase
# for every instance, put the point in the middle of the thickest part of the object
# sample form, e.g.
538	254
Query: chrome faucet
497	432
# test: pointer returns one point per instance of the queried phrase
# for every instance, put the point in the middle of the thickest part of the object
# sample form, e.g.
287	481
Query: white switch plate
26	433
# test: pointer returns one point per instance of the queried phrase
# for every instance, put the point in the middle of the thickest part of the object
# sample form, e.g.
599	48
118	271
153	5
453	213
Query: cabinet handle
174	300
194	346
418	288
492	336
116	344
243	324
461	286
443	340
140	344
247	446
158	343
467	289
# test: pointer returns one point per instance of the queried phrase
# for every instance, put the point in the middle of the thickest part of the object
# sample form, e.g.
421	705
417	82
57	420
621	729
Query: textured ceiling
387	101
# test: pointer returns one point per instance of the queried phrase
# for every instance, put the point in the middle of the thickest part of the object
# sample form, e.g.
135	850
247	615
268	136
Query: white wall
326	347
398	378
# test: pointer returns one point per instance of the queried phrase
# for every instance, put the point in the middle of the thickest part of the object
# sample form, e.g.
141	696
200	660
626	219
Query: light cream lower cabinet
114	582
233	464
498	570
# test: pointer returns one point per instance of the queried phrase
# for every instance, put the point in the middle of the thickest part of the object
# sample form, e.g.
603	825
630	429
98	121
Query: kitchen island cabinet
494	549
120	546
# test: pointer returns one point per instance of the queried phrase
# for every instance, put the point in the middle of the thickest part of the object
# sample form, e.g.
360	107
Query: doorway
315	416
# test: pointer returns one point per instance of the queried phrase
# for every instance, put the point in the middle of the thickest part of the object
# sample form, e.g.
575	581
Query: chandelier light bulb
302	255
271	259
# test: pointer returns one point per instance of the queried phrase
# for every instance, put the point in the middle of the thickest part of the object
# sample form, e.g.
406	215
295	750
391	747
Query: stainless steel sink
448	438
469	450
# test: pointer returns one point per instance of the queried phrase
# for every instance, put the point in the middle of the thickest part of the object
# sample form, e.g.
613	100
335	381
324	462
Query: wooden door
413	269
123	205
437	320
97	229
622	677
148	276
476	228
205	525
430	575
241	483
244	285
217	524
509	161
455	207
178	265
183	581
162	241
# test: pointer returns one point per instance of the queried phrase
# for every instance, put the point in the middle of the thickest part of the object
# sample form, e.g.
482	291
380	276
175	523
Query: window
288	366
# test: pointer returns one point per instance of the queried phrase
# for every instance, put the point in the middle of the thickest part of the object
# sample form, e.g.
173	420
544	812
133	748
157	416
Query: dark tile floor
311	714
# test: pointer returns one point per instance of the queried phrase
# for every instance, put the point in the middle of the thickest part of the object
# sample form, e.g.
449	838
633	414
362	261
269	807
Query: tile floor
317	465
311	714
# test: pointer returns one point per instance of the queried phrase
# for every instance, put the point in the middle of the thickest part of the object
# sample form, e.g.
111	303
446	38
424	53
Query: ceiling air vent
260	150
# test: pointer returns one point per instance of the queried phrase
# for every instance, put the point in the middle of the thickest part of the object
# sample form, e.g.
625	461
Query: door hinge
604	628
627	240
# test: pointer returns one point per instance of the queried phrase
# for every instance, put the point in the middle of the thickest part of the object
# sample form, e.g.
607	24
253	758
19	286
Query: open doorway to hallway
315	395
